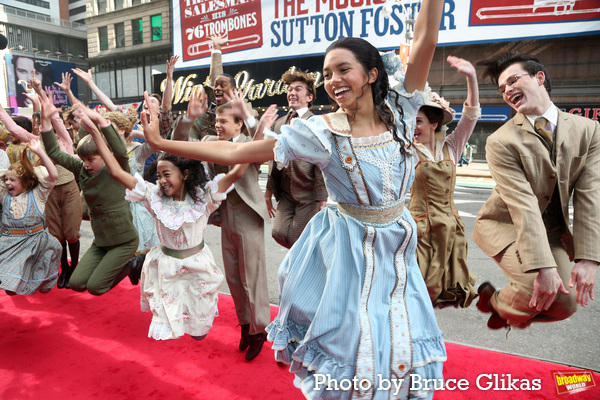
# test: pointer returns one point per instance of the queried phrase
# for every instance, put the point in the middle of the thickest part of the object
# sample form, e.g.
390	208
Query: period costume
180	280
243	245
524	225
29	254
442	248
115	239
298	189
353	301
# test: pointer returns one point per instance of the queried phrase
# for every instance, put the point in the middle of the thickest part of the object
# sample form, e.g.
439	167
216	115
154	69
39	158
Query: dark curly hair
196	174
368	56
496	65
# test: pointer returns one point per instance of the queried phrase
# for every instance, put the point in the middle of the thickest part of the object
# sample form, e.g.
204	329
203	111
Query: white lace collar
173	214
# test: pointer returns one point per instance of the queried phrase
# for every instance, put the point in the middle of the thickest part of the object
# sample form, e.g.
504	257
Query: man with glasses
539	159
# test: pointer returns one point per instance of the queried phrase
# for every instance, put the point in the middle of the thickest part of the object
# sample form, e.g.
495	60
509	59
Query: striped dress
355	318
28	261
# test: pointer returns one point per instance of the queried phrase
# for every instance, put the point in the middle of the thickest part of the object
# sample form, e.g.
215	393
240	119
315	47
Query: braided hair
368	56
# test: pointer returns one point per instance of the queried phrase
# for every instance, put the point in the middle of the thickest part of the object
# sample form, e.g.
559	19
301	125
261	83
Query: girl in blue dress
355	319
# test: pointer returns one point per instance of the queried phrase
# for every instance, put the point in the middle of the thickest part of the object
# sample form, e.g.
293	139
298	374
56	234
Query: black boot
62	278
245	340
256	344
64	267
135	268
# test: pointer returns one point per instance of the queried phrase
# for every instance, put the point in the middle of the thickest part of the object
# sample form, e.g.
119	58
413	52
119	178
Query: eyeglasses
511	81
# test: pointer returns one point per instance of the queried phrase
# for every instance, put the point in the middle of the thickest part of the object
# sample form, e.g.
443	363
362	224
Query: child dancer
104	264
29	254
180	279
353	301
442	249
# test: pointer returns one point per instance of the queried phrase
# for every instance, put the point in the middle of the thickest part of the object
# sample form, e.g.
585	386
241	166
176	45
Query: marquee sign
259	30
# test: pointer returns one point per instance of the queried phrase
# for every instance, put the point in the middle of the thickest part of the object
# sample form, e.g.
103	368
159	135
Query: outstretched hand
235	99
462	66
35	146
86	76
171	65
48	109
150	122
65	85
218	41
197	105
266	121
83	118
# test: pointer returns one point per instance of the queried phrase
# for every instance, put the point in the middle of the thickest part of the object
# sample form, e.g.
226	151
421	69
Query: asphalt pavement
571	342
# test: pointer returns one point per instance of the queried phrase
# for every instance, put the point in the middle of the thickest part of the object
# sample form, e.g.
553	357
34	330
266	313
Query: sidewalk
474	170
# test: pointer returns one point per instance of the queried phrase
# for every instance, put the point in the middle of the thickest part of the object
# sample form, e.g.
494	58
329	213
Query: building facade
39	33
128	41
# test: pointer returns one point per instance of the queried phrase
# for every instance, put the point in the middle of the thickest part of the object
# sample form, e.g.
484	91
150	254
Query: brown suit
298	188
243	246
511	225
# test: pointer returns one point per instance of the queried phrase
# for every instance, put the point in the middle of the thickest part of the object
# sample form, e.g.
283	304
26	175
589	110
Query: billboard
259	30
21	68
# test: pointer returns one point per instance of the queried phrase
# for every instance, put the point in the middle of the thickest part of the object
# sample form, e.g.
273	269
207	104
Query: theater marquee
259	30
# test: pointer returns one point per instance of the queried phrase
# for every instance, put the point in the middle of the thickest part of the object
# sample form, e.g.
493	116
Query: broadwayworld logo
573	381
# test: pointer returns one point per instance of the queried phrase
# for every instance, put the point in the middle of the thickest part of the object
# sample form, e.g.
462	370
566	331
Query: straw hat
439	102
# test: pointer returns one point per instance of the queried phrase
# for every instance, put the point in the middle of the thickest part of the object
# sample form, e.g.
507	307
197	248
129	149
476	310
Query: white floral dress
181	293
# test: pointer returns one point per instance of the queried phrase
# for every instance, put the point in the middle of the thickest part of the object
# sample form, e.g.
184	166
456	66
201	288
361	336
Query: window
156	24
120	34
118	4
78	10
136	2
103	38
38	3
137	31
102	6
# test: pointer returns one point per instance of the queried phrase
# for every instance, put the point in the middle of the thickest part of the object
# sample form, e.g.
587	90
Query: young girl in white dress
180	280
29	255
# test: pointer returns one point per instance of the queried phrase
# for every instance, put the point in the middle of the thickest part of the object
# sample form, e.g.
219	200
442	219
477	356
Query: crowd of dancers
360	281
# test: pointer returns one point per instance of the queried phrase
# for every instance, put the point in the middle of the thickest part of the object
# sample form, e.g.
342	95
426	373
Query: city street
571	342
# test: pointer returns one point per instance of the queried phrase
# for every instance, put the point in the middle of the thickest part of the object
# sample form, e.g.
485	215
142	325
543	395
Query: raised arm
36	147
113	166
426	32
65	85
220	152
13	128
216	60
168	92
87	78
196	108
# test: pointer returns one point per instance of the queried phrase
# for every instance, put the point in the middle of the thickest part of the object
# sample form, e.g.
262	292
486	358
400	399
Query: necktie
291	114
540	127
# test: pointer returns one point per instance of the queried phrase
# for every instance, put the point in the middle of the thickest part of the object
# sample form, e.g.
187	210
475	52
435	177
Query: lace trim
372	139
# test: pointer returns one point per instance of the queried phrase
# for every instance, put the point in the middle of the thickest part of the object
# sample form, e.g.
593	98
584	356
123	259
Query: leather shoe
497	322
63	278
245	340
485	291
135	268
256	344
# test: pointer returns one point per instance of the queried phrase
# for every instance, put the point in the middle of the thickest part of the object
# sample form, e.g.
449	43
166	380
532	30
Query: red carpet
67	345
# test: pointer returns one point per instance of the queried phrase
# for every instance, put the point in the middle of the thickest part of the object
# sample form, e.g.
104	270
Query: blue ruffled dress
355	318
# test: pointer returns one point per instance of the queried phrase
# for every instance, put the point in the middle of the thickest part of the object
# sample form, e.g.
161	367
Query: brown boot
485	291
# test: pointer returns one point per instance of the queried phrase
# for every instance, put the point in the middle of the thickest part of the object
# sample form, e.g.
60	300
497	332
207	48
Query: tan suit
243	246
298	188
510	226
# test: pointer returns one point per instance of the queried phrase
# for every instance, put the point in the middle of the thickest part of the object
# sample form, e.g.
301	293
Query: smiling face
171	180
346	80
13	184
93	163
226	125
527	94
222	85
298	96
424	130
